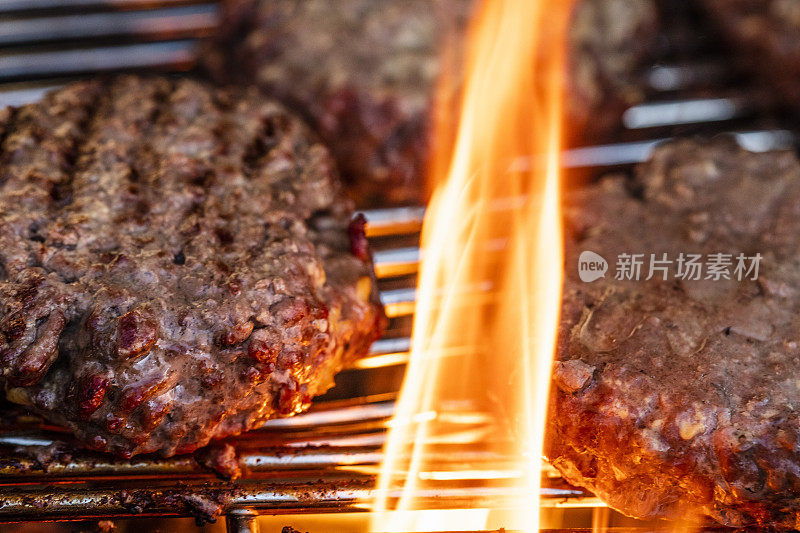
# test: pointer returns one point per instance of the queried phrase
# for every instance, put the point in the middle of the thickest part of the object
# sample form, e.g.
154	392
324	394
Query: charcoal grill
325	460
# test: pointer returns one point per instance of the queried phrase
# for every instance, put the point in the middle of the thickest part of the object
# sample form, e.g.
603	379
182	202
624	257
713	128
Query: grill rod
209	500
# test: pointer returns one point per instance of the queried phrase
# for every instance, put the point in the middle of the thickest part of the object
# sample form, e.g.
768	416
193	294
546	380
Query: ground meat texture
611	44
765	35
175	264
363	73
679	398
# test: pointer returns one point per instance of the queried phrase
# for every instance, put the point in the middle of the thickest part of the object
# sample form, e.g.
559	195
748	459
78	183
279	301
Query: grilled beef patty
363	73
679	398
175	264
610	44
766	36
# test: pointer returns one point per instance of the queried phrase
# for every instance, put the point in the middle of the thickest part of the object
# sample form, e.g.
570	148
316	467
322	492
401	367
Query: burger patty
679	397
610	43
177	263
363	73
766	36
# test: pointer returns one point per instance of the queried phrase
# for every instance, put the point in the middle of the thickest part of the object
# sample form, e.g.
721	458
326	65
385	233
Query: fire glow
490	281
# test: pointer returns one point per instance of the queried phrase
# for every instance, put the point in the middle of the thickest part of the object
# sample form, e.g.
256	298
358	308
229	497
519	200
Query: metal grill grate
326	459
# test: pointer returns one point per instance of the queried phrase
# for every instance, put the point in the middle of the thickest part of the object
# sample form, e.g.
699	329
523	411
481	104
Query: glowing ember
490	282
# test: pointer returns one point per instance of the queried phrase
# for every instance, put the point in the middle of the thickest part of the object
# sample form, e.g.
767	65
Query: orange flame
490	282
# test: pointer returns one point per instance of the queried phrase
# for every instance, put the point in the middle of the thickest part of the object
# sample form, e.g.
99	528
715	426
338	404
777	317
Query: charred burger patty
765	35
363	73
175	263
678	397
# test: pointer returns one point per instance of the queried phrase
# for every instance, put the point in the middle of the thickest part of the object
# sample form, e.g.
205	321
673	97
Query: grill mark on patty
173	192
144	157
230	134
39	149
261	144
6	127
106	147
62	193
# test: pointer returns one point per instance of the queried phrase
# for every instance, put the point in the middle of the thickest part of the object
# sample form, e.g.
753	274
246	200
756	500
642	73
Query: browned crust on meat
611	43
363	74
678	399
765	35
175	264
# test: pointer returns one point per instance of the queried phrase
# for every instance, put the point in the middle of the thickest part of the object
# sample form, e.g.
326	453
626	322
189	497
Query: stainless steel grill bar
211	499
242	521
182	21
15	6
664	78
253	461
629	153
386	352
691	111
21	94
396	262
399	302
276	461
394	221
177	55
